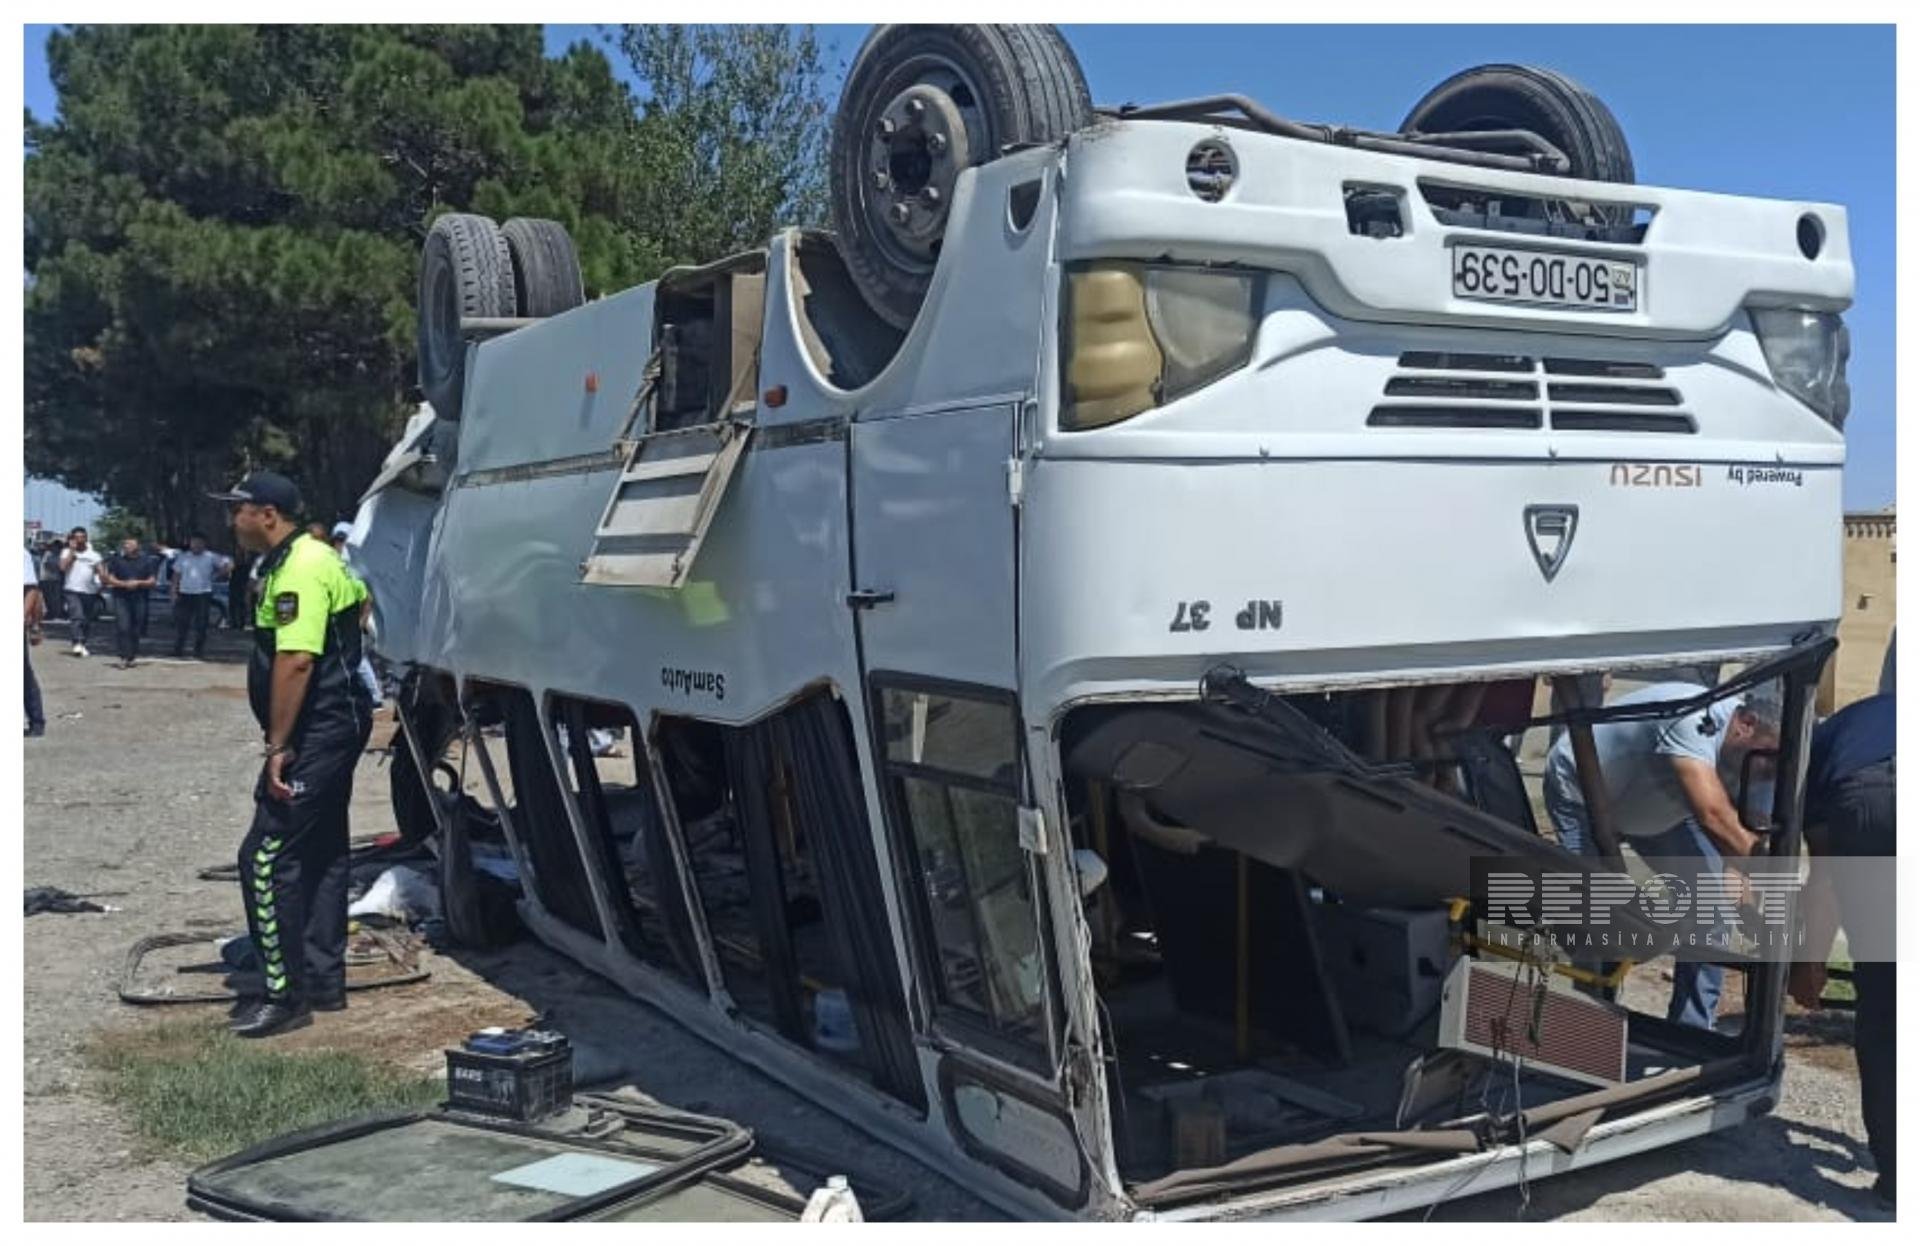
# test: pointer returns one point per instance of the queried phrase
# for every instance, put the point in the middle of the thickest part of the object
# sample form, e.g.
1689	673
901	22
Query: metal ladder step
664	469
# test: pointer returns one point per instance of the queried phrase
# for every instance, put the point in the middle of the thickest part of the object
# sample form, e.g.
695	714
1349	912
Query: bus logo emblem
1550	534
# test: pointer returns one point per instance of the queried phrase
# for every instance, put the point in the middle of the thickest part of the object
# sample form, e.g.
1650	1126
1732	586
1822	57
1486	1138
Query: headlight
1807	353
1138	336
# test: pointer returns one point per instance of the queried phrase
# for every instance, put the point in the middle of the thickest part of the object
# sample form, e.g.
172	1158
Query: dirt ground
144	776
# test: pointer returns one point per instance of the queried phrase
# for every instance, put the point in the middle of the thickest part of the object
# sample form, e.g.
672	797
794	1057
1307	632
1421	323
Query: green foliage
117	523
735	132
196	1092
222	227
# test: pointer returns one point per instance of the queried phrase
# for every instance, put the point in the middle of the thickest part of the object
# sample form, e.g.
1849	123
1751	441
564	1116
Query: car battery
1387	964
519	1075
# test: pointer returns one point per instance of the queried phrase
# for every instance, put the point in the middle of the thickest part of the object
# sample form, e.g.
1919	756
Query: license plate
1543	279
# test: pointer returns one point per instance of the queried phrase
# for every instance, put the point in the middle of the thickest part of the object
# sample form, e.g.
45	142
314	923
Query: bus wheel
1523	97
465	270
546	268
921	104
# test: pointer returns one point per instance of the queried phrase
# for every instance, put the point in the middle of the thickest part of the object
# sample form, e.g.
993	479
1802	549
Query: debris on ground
54	900
375	958
401	893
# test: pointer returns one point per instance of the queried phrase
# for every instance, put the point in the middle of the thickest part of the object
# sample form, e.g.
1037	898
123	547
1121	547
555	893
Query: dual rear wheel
472	268
921	104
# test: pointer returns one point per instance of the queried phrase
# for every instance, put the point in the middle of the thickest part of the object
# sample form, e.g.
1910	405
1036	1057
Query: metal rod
1593	786
420	767
1766	987
1546	158
1242	1000
488	326
1473	140
1812	651
1102	844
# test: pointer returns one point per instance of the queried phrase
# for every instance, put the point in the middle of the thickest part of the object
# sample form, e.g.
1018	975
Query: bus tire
546	268
465	270
921	104
1525	97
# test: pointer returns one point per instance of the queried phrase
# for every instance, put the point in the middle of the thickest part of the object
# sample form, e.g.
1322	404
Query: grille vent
1454	389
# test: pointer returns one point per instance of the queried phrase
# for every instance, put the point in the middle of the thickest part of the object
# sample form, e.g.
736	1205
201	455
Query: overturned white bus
1068	630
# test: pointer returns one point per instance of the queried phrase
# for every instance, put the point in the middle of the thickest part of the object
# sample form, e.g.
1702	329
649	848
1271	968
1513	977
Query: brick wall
1866	611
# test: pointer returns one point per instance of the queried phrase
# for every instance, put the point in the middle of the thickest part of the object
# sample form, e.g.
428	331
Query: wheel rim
931	126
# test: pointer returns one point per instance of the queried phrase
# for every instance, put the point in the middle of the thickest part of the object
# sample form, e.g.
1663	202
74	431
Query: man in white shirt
80	564
193	574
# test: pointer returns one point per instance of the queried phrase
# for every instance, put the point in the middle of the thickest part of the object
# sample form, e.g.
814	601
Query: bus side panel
1143	573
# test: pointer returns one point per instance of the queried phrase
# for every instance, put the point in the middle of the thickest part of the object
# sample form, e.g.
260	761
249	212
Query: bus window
604	765
953	773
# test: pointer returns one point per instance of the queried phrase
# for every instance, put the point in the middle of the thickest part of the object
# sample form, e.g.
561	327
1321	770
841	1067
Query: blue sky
1796	112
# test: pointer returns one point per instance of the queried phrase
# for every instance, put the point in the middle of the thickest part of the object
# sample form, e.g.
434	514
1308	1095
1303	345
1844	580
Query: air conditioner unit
1505	1010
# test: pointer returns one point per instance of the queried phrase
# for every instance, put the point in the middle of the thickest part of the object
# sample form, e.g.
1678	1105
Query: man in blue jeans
1664	784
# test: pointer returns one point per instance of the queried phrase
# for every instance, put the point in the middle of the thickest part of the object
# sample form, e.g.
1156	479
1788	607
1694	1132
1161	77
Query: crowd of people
80	584
70	579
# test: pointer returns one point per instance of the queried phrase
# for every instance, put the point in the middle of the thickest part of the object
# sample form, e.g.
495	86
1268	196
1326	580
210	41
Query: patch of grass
1840	990
196	1092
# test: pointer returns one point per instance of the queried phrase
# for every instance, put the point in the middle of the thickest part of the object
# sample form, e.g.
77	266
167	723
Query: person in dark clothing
35	608
316	717
51	596
1850	813
130	576
239	601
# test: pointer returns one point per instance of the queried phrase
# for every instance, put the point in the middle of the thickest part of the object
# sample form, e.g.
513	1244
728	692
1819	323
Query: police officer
316	716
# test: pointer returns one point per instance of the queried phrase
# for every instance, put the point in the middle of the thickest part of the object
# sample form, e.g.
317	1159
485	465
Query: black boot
271	1016
328	1001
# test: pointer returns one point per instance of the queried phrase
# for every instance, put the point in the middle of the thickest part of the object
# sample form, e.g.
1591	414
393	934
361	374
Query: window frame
519	825
624	911
957	1024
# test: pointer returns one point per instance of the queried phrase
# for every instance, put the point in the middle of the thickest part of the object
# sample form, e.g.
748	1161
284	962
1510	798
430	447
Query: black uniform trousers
190	614
1860	822
293	865
129	620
